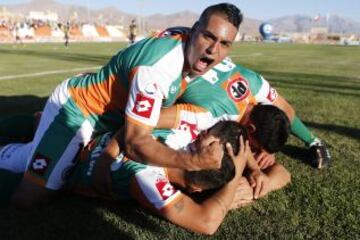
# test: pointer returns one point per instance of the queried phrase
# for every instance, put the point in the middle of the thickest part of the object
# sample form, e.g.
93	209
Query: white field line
47	73
36	74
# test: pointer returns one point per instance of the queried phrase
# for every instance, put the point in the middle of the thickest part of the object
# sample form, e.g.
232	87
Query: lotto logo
143	106
192	128
238	89
272	94
165	188
39	164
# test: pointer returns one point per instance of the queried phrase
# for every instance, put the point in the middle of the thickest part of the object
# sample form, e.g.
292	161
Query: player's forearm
146	149
279	176
215	208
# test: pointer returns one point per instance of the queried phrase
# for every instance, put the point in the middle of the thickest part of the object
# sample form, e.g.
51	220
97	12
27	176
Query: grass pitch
321	82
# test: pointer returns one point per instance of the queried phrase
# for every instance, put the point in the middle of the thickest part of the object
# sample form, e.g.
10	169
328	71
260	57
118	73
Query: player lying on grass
269	127
153	187
267	124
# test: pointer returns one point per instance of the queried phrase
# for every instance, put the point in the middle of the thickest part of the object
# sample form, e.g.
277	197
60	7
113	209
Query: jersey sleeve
152	189
145	97
150	83
265	94
193	117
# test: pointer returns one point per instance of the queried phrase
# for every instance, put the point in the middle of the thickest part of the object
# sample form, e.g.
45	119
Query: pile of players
168	116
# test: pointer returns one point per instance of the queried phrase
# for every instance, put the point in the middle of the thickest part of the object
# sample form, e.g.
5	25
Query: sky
258	9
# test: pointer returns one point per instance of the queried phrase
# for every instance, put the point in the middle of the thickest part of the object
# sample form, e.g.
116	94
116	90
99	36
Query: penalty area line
47	73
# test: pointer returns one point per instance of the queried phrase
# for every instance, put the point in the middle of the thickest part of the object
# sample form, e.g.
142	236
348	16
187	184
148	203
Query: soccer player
129	91
152	186
228	91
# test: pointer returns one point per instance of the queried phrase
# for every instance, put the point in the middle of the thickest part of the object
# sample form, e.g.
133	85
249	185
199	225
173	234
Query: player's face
209	44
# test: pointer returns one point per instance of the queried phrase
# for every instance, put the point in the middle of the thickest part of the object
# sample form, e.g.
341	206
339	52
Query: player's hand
265	159
210	155
260	183
101	178
244	194
241	158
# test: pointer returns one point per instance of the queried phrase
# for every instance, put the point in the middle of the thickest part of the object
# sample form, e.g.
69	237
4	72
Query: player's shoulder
150	50
254	79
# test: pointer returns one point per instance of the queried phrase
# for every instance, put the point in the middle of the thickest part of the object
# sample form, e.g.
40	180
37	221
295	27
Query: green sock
301	131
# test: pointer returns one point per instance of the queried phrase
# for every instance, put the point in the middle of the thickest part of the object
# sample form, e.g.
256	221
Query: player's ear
194	189
251	128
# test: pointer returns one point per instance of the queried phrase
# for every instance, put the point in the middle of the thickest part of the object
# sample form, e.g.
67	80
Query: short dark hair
228	10
226	131
272	127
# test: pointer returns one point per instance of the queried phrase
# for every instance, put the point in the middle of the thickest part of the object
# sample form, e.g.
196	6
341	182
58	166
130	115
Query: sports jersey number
238	89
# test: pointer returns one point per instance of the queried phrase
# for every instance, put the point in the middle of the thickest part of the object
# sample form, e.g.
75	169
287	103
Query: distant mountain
72	11
111	15
303	23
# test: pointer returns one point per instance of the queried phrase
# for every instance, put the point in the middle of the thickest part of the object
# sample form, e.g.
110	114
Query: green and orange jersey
222	93
135	83
149	185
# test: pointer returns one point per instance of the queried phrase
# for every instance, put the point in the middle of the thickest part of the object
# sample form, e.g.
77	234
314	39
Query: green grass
321	82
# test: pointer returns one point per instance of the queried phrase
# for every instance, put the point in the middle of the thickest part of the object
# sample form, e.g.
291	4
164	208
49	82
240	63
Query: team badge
238	89
272	94
143	105
39	164
164	188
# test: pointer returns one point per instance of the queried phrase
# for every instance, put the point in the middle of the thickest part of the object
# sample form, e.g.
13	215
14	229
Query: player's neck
176	176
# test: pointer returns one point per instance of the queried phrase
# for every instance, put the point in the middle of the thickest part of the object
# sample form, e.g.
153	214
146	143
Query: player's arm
207	216
271	179
141	146
149	87
186	113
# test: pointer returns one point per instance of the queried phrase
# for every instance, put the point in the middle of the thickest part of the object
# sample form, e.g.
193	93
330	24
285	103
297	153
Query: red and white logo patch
238	89
192	128
272	94
143	105
165	189
39	164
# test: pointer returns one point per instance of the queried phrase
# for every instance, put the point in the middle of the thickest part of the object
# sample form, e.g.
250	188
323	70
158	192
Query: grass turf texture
321	82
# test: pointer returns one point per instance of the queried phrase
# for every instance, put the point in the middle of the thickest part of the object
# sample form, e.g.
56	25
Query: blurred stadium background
45	21
318	76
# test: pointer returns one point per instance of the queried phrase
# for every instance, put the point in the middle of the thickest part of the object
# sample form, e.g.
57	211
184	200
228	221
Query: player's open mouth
203	63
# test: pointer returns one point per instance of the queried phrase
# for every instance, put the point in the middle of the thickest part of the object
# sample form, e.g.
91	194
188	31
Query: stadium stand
89	31
102	31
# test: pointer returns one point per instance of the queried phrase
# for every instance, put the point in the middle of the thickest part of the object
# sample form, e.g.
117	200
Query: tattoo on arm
179	206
